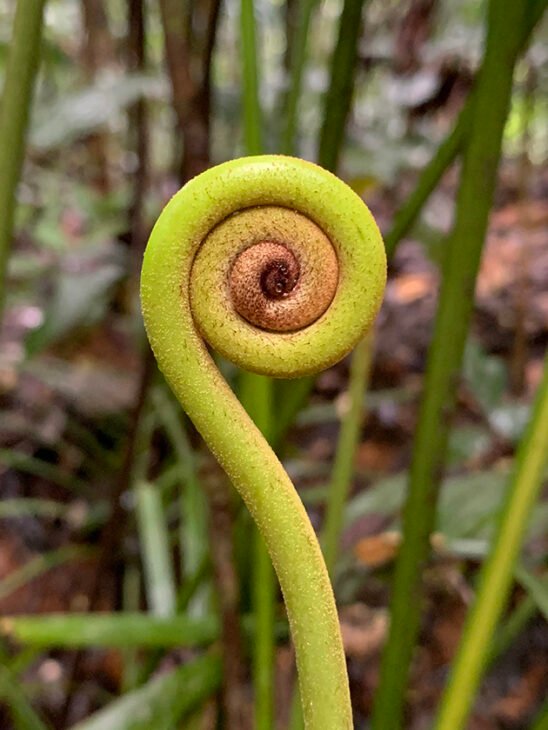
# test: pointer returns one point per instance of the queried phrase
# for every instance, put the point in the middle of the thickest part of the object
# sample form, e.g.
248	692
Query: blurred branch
21	68
190	87
343	467
138	129
97	52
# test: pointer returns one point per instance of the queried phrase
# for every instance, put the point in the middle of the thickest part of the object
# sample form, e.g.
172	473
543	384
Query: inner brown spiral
261	278
279	278
272	267
285	281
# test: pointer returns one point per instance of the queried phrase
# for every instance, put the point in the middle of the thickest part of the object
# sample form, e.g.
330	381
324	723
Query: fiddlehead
281	268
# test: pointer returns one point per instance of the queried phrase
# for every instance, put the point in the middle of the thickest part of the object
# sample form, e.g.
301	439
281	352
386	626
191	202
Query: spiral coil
280	267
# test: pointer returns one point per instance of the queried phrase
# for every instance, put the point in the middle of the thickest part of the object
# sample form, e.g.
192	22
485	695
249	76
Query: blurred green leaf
510	419
73	631
82	294
162	702
467	443
486	375
76	115
536	587
155	550
468	506
119	630
40	564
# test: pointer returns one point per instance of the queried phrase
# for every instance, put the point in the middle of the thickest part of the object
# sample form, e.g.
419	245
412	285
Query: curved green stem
497	573
186	290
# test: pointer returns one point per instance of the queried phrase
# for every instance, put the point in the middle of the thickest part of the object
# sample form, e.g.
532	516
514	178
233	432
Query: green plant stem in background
155	550
21	68
480	162
497	572
536	587
339	95
256	397
251	103
40	564
120	630
513	627
428	180
194	513
343	468
299	45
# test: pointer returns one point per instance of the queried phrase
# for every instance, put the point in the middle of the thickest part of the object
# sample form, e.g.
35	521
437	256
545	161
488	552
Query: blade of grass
252	124
480	162
537	588
194	519
33	507
155	551
256	395
120	630
21	68
428	180
497	571
337	105
338	99
40	564
162	702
